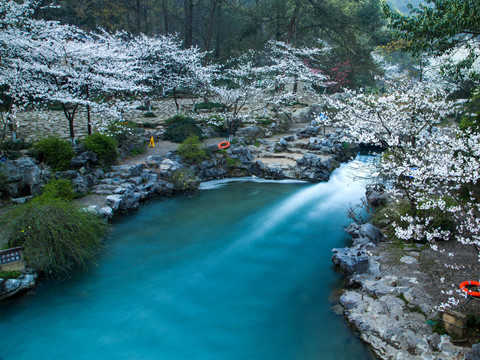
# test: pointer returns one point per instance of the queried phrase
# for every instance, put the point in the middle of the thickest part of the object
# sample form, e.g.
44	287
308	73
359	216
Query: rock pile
389	309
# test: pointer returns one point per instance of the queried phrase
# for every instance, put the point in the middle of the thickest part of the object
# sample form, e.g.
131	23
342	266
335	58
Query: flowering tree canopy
434	168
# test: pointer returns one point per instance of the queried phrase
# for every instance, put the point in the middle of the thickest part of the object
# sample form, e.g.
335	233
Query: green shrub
180	127
55	190
218	124
190	150
438	328
10	274
149	114
57	237
55	152
471	119
3	179
208	106
473	321
104	146
137	150
264	122
232	163
184	180
15	145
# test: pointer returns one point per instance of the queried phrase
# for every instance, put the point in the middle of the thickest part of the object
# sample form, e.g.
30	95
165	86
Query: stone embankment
11	287
386	301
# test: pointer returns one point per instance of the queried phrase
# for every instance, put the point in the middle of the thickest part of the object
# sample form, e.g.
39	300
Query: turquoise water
238	271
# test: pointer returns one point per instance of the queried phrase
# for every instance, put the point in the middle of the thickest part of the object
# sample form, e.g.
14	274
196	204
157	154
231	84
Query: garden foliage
57	236
54	152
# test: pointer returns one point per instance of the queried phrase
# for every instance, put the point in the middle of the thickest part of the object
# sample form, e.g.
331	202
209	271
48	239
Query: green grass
10	274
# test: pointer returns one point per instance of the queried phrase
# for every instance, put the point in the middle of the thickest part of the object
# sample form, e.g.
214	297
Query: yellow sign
152	143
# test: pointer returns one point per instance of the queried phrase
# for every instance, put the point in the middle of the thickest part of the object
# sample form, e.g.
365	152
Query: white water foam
215	184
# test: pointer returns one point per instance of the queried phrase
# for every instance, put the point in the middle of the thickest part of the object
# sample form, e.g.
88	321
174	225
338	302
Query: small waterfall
345	187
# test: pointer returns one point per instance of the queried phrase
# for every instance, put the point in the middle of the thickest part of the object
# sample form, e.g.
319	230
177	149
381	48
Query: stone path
34	125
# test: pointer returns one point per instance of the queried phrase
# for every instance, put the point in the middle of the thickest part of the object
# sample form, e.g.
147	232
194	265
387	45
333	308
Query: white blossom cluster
44	62
433	167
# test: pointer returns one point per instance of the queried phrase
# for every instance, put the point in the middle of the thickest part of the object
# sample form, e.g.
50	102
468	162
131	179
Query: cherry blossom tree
436	169
164	63
14	86
288	67
50	62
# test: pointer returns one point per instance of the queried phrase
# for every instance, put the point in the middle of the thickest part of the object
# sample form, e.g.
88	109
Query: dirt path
163	147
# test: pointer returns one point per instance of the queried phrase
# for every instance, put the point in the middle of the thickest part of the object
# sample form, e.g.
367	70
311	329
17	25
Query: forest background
228	28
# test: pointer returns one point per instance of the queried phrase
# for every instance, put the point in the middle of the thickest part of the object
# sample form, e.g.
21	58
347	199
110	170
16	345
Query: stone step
281	162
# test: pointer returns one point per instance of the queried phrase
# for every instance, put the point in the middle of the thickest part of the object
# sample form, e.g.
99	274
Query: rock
370	232
12	287
105	212
473	353
282	122
130	201
375	194
252	132
351	260
367	232
434	341
242	153
81	184
22	200
308	115
352	230
85	159
125	202
114	201
408	260
25	177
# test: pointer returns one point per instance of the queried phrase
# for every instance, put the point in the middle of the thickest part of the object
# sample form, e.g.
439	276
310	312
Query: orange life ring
463	286
223	145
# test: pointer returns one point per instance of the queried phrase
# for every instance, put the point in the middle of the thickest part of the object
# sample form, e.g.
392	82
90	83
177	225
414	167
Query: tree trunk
293	20
138	16
188	8
70	115
218	34
176	101
165	15
89	121
12	128
208	36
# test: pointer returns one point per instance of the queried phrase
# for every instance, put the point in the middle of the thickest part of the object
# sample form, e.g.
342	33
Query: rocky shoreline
386	299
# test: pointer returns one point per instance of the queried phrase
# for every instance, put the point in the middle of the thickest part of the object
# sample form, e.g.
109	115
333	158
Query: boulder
125	202
365	231
370	232
375	194
309	114
351	260
473	353
282	122
12	287
84	159
252	132
315	168
81	184
25	177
